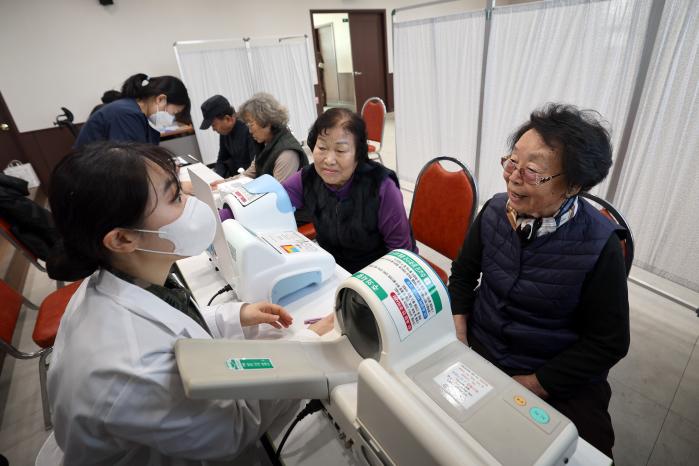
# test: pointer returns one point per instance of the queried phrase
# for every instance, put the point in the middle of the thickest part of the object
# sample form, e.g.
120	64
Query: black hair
140	86
110	96
578	135
350	122
101	186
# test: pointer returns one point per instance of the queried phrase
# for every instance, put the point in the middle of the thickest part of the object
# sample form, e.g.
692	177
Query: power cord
311	407
222	290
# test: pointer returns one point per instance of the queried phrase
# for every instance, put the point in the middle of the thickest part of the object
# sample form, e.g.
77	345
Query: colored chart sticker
244	364
244	196
407	289
461	386
289	242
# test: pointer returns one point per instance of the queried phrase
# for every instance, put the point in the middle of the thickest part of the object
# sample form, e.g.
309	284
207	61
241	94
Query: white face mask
161	119
191	233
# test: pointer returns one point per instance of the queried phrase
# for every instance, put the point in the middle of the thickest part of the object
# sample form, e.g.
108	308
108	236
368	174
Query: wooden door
10	148
368	37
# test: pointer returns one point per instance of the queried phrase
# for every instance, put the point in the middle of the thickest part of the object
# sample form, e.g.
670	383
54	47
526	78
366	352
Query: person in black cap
237	149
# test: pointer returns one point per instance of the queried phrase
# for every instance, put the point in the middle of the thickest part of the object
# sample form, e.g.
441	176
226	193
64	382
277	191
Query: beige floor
655	402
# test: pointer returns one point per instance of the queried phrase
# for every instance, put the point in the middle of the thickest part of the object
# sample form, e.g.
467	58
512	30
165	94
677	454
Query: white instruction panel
289	242
461	385
409	291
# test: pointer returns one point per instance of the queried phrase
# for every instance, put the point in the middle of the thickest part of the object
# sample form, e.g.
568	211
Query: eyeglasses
528	175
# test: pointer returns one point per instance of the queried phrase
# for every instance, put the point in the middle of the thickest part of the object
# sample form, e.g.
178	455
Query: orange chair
612	214
374	115
45	329
308	230
443	208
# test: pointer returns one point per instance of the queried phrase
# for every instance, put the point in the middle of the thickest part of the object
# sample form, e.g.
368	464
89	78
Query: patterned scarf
529	228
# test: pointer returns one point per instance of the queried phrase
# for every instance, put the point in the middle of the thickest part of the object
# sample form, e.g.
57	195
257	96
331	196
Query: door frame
316	48
14	132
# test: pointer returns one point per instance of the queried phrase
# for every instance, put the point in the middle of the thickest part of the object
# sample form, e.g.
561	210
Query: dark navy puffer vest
349	228
524	312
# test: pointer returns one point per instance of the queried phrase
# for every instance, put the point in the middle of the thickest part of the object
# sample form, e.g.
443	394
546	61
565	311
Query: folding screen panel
658	190
437	80
237	69
585	53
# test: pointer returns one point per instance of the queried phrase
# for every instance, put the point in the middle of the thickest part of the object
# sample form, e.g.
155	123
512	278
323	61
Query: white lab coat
115	391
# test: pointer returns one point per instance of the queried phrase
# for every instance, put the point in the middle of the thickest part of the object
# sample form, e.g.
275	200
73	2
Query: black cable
222	290
311	407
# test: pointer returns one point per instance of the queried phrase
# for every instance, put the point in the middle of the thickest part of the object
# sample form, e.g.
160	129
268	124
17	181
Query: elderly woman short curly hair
282	154
551	308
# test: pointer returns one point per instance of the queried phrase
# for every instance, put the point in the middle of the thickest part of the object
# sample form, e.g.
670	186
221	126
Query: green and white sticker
245	364
411	292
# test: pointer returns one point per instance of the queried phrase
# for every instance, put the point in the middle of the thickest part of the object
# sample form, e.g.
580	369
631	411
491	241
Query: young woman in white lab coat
114	389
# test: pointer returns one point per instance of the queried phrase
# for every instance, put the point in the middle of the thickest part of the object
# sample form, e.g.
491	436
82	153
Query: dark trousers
587	408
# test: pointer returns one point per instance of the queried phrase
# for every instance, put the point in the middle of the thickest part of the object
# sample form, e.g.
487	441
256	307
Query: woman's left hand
532	383
264	313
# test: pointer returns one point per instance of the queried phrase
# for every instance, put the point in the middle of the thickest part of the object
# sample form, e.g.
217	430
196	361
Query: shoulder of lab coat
115	388
145	304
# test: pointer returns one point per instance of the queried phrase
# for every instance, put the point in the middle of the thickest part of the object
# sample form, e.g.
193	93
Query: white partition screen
437	80
585	53
214	68
658	188
237	69
282	69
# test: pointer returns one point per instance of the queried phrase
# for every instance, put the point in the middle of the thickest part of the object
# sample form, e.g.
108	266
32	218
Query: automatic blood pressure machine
259	252
399	386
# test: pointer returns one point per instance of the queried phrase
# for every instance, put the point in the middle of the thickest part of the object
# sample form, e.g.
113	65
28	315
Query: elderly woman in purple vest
355	204
552	307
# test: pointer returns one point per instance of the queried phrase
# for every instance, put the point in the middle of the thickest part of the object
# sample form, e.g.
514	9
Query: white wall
68	52
341	34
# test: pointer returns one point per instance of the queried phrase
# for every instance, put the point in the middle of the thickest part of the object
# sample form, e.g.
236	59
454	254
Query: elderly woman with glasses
281	155
552	306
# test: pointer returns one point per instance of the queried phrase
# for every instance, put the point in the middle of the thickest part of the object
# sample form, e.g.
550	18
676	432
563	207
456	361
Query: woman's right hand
460	325
324	325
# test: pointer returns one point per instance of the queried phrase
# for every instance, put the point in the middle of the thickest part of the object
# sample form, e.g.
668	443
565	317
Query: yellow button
520	400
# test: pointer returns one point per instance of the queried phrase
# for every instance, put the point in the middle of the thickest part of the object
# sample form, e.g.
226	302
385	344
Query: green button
539	415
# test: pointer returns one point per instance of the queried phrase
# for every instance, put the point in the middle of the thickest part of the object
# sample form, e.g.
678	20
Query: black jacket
30	223
236	150
349	228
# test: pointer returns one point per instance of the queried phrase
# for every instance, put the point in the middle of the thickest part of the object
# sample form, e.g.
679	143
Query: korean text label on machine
406	288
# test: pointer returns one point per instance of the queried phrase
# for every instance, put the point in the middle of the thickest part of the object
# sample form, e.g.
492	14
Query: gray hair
265	110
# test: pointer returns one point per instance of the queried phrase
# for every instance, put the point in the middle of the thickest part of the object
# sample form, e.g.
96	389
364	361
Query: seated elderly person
282	154
355	203
552	306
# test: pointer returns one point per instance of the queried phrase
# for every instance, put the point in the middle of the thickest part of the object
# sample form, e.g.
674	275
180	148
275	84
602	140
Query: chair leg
43	365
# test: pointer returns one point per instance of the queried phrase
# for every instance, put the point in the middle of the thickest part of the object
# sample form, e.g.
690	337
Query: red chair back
627	243
50	312
374	115
444	206
10	304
